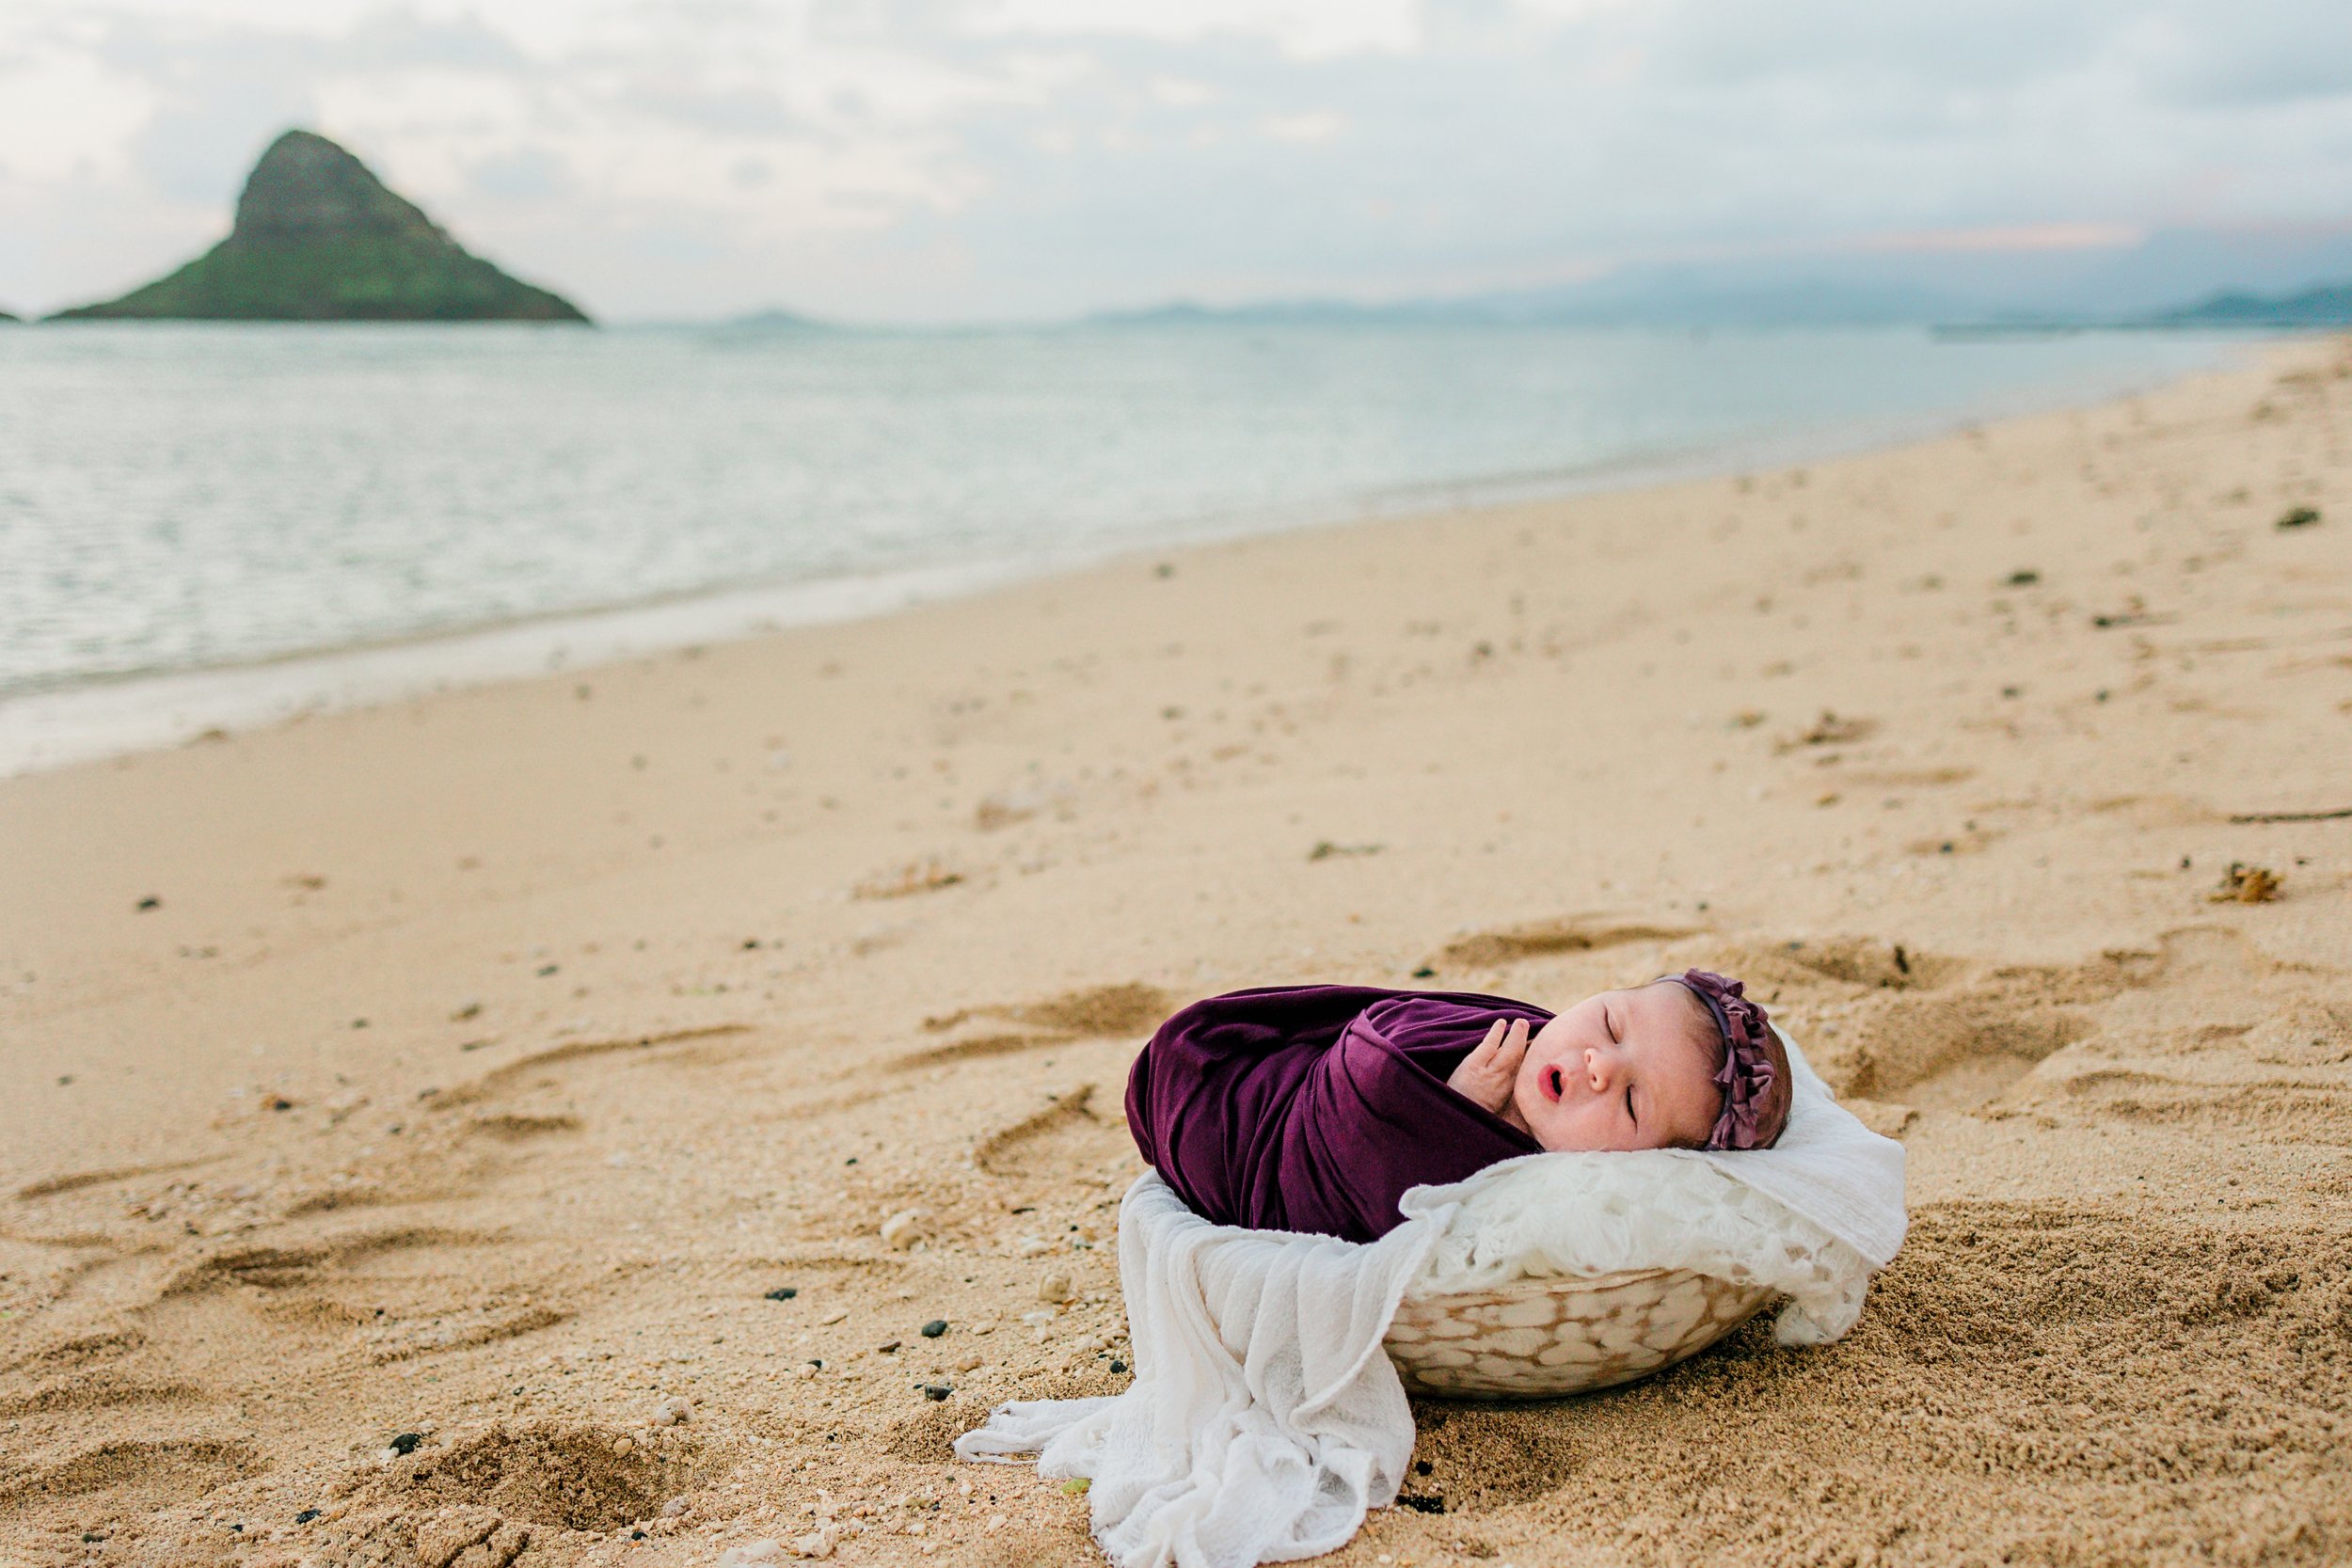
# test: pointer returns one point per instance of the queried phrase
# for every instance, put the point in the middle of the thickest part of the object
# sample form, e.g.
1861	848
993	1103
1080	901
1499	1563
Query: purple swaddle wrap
1313	1108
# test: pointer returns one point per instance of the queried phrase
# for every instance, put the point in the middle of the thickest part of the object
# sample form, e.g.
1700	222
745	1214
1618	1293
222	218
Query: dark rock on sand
319	238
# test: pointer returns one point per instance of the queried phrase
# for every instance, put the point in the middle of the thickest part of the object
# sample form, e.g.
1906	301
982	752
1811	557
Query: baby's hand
1487	1073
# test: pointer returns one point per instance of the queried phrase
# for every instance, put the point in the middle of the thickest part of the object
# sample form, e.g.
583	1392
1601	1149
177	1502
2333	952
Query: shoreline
482	1118
92	719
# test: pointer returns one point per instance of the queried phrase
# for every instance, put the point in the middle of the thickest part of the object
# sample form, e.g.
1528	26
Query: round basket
1542	1338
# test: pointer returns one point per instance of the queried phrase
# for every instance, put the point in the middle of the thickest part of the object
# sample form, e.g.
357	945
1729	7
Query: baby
1314	1108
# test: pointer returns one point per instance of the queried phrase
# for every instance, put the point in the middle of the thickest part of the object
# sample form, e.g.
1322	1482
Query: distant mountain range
2104	300
779	321
2241	279
2330	305
318	237
1793	304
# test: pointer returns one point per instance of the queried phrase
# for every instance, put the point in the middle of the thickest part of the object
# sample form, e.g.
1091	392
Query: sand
472	1076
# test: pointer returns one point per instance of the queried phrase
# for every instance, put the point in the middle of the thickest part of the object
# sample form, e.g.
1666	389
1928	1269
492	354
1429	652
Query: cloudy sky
934	160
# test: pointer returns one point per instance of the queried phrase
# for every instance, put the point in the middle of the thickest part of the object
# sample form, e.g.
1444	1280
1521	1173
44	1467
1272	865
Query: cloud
522	174
930	158
1301	29
2010	240
1316	125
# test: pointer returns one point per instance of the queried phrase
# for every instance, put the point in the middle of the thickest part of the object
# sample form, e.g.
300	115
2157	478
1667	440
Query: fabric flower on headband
1747	1073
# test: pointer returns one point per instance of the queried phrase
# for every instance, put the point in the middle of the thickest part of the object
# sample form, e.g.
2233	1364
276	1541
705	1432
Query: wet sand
474	1077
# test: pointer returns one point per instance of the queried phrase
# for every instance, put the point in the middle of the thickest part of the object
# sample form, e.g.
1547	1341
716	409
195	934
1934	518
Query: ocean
208	526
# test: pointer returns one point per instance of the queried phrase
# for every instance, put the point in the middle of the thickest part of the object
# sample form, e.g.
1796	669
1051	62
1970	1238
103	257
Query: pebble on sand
933	1330
783	1292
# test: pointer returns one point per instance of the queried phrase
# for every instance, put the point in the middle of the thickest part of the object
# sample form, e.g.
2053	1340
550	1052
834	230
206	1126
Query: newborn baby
1314	1108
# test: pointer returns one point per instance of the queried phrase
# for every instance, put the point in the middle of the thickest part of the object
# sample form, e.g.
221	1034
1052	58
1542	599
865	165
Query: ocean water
198	524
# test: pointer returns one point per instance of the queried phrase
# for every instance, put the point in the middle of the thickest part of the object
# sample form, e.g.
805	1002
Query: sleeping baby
1314	1108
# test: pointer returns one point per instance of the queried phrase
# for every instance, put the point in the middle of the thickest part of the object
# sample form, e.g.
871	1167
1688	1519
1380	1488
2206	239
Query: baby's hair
1772	1114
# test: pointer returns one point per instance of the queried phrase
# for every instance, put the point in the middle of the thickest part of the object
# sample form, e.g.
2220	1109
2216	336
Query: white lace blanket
1264	1419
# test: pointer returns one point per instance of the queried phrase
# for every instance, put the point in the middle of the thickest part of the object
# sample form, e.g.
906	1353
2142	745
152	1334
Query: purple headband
1746	1075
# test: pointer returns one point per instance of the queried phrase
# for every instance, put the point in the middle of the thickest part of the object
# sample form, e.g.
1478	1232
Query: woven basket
1542	1338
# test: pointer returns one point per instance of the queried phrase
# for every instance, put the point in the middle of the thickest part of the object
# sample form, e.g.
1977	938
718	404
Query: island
319	238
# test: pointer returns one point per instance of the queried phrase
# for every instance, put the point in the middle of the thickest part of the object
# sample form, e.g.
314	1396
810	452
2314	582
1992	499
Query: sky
947	160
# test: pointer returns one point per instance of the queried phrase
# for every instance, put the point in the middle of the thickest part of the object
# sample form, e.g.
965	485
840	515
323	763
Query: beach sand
477	1071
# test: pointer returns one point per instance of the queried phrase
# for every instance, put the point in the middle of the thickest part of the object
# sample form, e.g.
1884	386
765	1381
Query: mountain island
318	237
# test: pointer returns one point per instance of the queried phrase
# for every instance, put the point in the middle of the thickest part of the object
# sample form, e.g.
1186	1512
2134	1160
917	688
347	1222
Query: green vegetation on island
318	237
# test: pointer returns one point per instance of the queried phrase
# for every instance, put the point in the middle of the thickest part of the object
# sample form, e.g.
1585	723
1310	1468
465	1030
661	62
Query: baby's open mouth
1554	1085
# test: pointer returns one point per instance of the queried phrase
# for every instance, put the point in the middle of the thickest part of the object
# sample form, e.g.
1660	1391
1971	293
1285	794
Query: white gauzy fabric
1264	1419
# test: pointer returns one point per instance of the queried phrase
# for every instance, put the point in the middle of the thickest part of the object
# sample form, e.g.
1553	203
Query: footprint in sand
136	1475
511	1075
516	1127
1065	1140
1544	938
277	1268
86	1372
1095	1012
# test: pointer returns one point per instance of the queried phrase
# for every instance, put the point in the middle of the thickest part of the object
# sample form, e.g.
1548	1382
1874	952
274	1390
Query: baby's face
1622	1070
